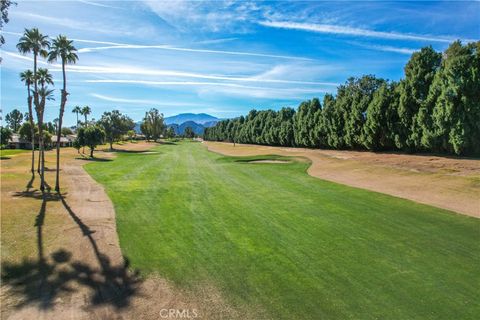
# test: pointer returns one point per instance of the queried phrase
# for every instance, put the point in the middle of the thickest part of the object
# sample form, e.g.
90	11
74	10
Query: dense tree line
435	108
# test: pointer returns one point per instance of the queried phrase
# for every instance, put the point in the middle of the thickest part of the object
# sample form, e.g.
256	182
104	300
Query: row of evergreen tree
435	108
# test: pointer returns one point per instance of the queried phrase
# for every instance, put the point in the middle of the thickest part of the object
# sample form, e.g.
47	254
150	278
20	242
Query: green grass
272	238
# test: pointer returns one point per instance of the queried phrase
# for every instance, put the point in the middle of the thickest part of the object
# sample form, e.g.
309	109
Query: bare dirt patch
446	182
61	257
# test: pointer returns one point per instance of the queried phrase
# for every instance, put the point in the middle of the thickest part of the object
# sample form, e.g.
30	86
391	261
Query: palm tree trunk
83	149
59	129
40	121
30	119
39	156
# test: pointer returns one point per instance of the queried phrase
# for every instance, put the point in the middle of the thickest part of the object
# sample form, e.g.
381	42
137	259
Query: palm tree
77	110
34	42
85	112
27	77
62	48
43	78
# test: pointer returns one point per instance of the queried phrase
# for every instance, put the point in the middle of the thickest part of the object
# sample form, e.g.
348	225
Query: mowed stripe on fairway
276	240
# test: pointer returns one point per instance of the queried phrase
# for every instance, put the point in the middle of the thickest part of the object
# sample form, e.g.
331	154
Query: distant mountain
198	122
180	129
199	118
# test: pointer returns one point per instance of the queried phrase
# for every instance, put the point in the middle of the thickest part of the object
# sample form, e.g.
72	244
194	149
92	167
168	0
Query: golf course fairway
285	245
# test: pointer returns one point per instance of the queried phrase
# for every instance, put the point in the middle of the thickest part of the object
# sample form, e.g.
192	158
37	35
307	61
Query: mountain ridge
199	118
197	121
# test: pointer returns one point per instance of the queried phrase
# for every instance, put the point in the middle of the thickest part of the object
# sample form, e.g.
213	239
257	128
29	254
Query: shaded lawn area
276	240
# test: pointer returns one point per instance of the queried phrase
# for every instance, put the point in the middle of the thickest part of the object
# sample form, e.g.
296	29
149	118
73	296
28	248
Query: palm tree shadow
30	182
118	285
37	282
40	282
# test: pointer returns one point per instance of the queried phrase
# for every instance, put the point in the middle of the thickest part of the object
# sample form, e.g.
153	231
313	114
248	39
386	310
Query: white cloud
122	100
344	30
212	16
194	83
168	47
128	70
144	101
407	51
209	88
216	41
97	4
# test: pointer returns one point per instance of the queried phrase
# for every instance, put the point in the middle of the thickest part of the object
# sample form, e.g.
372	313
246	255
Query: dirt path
79	271
449	183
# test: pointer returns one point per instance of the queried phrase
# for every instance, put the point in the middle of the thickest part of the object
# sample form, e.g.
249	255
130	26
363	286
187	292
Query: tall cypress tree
452	114
419	74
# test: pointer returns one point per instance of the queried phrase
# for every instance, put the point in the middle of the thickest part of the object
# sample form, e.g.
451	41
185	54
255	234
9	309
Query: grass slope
274	239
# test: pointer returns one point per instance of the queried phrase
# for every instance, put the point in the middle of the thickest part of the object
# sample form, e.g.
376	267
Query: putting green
272	238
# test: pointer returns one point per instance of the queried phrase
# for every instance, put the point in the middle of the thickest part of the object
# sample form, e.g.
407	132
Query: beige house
16	142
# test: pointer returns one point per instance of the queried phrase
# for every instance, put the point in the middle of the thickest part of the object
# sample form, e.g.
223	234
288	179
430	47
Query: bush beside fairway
276	240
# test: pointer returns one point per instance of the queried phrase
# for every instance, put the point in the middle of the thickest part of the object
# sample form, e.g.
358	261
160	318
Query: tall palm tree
27	77
62	48
77	110
43	78
85	112
33	41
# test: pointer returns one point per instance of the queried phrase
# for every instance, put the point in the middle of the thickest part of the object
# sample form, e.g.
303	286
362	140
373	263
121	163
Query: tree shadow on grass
125	151
30	182
40	282
170	143
94	159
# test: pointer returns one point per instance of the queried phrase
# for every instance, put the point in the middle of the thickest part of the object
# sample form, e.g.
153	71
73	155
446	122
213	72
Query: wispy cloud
128	70
97	4
198	83
122	100
345	30
168	47
401	50
209	88
144	101
216	41
212	16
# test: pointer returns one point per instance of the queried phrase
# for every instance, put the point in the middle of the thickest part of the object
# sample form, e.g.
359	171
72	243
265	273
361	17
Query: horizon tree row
435	108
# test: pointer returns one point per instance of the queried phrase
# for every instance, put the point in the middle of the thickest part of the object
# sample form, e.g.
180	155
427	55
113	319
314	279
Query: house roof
16	139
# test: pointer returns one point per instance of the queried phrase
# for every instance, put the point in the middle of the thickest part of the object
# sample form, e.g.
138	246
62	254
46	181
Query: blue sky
224	58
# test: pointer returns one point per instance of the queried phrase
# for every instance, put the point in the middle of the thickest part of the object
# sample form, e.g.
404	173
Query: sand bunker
268	161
